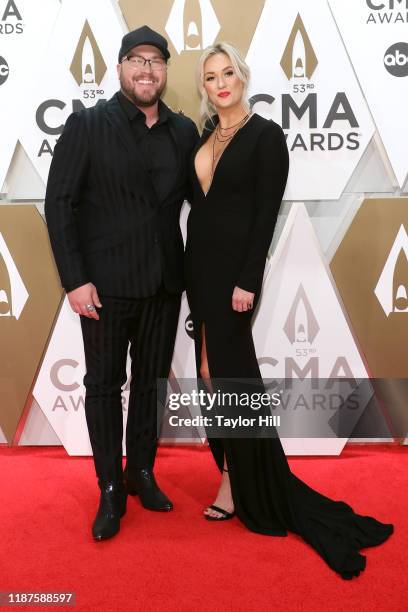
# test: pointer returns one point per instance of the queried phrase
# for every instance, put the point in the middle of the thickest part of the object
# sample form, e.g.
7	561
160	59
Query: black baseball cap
143	36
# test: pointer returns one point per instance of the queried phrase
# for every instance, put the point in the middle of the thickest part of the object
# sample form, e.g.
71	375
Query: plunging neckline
205	194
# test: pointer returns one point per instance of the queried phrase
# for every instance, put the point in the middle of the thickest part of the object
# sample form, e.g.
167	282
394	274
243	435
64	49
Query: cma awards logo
387	11
299	59
301	329
301	325
69	391
88	69
392	286
88	66
396	59
13	294
66	377
11	21
192	25
299	62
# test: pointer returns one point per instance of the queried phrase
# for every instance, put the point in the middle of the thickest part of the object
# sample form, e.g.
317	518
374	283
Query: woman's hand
242	300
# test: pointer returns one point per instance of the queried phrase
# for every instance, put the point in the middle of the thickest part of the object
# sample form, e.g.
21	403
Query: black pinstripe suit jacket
105	222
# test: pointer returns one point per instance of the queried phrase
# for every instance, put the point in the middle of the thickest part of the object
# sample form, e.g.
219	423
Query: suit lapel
118	120
178	145
179	149
120	124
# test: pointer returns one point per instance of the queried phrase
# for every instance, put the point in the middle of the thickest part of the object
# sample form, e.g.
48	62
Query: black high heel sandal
226	516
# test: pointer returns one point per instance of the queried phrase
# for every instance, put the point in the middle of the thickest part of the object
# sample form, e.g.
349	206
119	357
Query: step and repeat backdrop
334	75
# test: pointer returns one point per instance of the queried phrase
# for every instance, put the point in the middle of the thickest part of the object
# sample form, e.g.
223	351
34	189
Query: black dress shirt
157	145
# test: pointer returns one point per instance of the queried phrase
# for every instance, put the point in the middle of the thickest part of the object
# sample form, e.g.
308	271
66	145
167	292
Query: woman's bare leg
224	496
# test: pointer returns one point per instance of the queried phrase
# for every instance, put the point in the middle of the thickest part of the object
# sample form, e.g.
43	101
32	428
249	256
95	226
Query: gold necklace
235	124
225	137
224	140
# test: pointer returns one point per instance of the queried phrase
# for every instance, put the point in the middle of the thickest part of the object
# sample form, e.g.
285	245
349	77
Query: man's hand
242	300
84	299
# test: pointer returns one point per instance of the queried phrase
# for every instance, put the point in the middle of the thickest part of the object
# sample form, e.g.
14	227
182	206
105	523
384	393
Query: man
116	186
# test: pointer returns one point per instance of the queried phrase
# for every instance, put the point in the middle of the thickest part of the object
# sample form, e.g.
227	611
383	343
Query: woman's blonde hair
241	69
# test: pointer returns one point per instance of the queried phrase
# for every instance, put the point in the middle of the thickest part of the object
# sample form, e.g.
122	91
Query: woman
239	171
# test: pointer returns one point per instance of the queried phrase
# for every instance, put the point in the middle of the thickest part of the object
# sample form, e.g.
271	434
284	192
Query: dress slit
216	444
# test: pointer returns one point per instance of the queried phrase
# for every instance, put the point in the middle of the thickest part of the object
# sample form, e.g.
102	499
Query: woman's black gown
229	232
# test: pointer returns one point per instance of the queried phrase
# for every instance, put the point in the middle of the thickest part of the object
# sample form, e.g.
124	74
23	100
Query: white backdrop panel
300	326
376	37
25	27
300	68
78	68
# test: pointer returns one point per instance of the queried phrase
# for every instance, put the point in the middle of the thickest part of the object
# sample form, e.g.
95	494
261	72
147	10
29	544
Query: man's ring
90	307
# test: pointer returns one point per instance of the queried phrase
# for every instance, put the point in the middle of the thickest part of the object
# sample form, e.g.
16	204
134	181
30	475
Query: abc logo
189	327
4	70
396	59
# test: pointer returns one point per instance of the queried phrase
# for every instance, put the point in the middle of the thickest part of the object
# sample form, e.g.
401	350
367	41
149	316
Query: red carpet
178	561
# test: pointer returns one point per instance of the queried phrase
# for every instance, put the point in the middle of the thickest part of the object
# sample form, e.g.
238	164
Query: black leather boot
112	507
143	483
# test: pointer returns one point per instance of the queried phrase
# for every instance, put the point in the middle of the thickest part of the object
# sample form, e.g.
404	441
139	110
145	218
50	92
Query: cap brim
163	51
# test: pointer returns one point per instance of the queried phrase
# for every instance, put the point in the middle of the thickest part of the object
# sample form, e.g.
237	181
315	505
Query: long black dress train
229	232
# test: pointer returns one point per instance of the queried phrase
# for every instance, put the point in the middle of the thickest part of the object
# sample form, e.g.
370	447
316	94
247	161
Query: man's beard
149	99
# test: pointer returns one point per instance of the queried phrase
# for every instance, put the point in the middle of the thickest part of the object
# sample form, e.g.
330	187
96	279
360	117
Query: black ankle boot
142	482
112	507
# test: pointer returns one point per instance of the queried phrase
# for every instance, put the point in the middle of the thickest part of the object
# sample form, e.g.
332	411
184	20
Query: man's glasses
138	62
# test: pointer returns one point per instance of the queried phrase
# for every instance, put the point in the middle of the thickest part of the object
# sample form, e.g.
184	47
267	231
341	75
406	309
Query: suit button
156	239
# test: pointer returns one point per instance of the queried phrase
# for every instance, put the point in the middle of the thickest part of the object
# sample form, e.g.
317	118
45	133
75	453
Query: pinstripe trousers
149	326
